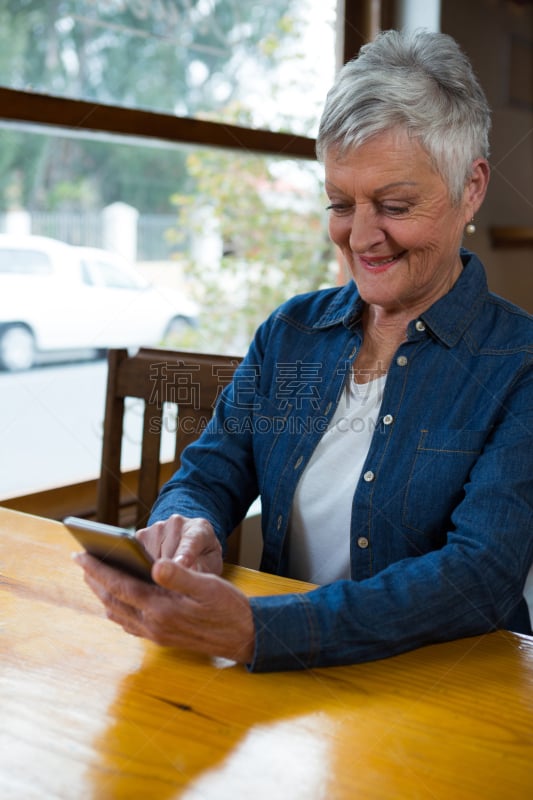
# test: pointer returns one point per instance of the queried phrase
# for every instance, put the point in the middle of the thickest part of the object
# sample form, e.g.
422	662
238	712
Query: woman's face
391	216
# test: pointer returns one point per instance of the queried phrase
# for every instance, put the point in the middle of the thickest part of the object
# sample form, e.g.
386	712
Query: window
99	272
228	61
23	262
128	153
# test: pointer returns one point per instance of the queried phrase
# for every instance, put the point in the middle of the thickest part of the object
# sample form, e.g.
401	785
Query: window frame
357	22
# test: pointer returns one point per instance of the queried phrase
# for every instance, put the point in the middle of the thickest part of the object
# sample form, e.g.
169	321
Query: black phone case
115	546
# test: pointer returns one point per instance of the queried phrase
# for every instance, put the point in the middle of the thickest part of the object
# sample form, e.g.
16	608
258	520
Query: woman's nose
365	230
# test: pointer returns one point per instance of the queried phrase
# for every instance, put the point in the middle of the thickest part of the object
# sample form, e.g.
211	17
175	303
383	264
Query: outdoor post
119	231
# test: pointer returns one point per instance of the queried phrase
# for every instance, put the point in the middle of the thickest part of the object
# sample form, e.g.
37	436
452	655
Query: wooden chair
191	381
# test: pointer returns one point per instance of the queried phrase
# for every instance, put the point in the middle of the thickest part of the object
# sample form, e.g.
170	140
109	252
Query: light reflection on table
87	711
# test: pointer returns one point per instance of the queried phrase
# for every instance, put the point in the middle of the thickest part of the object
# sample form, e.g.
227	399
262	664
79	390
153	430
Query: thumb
172	575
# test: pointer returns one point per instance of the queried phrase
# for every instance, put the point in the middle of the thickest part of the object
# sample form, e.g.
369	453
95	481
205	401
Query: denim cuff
286	633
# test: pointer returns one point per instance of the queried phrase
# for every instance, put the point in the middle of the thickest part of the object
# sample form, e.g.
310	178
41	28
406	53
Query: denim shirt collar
447	319
451	316
345	308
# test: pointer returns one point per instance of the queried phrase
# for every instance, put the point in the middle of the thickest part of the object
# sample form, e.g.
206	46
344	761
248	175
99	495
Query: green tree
273	242
175	56
179	57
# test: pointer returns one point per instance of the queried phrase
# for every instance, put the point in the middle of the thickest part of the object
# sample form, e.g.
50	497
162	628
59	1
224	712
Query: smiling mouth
377	263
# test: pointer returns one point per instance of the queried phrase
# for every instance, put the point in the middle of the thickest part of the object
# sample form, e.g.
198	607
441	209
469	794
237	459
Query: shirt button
328	409
388	419
298	463
419	325
369	476
362	542
401	361
280	521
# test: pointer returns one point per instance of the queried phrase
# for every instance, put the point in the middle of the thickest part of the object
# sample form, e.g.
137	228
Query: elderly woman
387	425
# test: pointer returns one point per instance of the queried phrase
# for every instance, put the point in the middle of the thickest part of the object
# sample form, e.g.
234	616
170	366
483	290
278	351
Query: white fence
141	237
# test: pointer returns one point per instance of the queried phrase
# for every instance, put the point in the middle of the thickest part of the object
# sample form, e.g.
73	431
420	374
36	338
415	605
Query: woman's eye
340	208
394	211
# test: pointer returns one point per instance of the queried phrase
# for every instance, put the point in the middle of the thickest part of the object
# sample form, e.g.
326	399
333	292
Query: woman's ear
476	187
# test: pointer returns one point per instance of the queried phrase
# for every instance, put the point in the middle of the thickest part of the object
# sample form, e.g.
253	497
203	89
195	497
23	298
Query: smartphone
117	547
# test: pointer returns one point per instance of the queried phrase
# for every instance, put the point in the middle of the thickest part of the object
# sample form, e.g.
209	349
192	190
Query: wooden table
87	711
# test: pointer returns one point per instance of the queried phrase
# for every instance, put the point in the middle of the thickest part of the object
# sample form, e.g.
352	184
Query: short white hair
419	82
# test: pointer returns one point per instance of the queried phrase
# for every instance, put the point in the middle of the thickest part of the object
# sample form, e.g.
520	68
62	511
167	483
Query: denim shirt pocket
441	464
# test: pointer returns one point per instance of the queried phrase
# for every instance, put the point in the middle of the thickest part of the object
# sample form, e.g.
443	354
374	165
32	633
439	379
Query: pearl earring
470	228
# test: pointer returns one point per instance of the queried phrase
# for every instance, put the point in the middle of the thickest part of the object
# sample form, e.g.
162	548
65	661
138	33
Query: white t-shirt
319	527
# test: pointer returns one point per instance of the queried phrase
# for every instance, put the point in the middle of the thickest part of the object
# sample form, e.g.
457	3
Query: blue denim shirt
442	515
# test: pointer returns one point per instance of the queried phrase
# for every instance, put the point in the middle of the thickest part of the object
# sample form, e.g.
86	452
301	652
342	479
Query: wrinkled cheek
339	233
423	265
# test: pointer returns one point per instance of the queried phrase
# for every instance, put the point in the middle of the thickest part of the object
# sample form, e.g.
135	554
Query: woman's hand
188	608
192	542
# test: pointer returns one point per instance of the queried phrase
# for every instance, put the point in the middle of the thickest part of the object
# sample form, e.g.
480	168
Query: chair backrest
190	381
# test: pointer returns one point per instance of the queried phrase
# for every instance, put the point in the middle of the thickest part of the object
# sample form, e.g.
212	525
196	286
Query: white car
57	297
